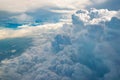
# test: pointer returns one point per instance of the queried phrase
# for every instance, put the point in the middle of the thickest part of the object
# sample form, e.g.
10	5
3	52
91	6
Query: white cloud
98	1
92	54
25	5
26	30
94	16
22	18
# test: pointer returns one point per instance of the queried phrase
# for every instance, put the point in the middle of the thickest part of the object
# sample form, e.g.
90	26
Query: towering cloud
86	49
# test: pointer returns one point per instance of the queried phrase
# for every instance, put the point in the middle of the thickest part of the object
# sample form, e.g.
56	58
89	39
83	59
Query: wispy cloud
25	5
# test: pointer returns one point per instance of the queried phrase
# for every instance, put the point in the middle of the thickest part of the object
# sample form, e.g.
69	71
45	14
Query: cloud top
94	16
79	50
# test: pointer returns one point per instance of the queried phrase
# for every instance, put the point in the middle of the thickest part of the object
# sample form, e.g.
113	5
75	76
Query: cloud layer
25	5
86	49
109	4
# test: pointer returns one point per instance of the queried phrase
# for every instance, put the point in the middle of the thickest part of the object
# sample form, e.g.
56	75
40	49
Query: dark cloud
13	47
38	16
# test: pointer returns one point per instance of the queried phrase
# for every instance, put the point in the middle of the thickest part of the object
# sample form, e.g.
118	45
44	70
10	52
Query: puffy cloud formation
94	16
15	13
86	49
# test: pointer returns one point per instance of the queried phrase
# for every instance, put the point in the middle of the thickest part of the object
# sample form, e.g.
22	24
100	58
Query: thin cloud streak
25	5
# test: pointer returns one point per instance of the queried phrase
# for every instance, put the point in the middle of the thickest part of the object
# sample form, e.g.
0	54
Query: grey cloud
33	17
89	52
109	4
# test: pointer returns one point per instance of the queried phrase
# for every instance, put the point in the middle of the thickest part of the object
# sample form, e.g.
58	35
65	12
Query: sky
16	13
59	40
25	5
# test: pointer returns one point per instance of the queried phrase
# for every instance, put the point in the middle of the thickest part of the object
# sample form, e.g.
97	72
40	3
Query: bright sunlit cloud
25	5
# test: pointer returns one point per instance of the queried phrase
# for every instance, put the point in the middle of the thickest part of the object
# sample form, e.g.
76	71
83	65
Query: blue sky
21	12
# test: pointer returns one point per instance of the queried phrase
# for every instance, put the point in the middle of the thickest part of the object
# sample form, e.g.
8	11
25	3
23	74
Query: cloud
94	16
36	17
25	5
12	47
109	4
15	13
99	1
23	18
26	30
86	50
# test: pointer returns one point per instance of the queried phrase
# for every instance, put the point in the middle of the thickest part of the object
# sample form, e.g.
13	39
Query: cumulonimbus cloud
78	51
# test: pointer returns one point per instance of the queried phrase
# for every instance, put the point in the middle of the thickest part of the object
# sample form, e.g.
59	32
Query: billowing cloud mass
85	49
16	13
